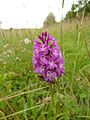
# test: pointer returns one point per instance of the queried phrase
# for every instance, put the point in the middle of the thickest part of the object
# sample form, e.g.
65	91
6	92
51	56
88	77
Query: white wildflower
26	41
18	59
6	45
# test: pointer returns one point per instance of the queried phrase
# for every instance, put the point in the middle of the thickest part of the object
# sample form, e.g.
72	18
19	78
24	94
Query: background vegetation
78	9
25	96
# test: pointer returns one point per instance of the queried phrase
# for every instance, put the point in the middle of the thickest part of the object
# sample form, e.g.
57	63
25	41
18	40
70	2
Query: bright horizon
31	13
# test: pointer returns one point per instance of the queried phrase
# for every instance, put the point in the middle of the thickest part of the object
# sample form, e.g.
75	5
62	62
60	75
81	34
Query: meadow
25	96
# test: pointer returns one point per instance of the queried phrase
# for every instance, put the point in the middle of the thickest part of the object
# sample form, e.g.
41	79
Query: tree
50	20
87	10
79	8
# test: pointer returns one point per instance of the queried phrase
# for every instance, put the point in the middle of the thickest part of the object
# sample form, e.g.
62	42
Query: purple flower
47	58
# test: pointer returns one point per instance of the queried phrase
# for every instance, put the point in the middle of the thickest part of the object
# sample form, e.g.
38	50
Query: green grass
23	96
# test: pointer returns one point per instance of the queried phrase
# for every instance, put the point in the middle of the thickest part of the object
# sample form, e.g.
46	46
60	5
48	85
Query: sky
31	13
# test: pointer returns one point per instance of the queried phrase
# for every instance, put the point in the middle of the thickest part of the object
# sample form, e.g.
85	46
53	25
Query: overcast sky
30	13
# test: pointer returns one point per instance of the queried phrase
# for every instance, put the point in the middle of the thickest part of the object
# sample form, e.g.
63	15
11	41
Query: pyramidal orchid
47	58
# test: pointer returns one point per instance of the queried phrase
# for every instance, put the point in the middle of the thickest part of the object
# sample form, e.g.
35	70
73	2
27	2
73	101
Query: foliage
78	9
50	20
